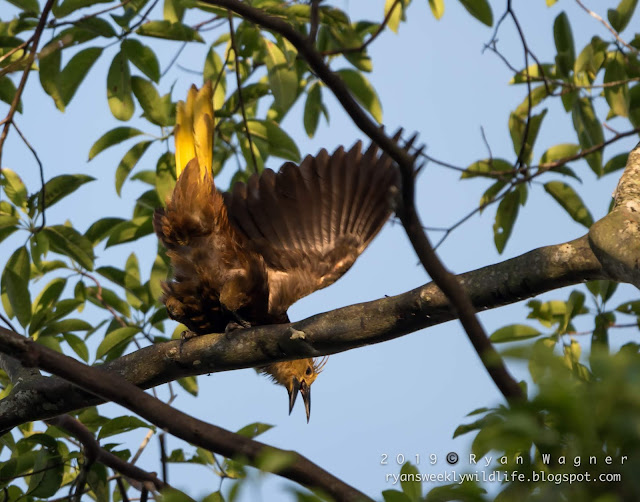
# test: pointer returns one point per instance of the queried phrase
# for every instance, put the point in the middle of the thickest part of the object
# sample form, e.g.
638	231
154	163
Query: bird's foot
235	326
186	335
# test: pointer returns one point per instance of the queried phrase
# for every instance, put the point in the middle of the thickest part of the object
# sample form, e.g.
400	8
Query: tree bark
36	397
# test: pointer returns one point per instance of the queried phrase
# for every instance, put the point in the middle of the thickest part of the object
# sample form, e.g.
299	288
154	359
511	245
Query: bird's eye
309	371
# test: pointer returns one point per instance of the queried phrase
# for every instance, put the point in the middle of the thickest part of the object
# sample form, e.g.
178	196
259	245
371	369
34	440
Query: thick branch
508	282
112	387
615	239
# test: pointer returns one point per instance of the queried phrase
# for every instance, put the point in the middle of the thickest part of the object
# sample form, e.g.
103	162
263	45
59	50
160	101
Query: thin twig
607	26
94	451
7	322
239	84
43	191
163	457
25	75
314	21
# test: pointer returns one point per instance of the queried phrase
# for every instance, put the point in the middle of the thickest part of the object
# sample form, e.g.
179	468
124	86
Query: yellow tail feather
194	130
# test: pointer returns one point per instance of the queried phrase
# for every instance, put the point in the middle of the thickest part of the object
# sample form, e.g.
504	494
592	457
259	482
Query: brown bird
246	256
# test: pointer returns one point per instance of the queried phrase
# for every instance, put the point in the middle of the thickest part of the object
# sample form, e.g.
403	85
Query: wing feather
310	222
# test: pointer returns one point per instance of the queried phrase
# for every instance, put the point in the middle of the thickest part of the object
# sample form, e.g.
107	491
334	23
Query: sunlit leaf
505	218
129	161
513	332
570	201
119	95
363	91
113	137
142	57
283	79
116	339
480	9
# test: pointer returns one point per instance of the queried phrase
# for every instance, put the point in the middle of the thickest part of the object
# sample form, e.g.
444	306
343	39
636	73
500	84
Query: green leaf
190	384
66	7
128	162
27	5
253	430
66	326
113	137
589	131
165	175
490	168
616	163
618	95
49	294
279	142
505	218
118	425
142	57
363	91
58	187
110	298
14	188
622	14
437	8
214	71
8	92
130	230
563	37
119	93
394	496
410	482
173	10
570	201
169	31
480	9
77	345
132	280
101	229
513	332
396	16
74	73
116	339
518	127
559	152
67	241
312	109
159	272
47	477
283	79
15	284
157	110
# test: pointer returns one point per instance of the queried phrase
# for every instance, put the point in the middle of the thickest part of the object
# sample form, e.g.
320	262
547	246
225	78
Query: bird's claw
186	335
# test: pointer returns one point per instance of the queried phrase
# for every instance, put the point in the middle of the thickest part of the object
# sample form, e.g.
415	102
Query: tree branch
99	454
343	329
112	387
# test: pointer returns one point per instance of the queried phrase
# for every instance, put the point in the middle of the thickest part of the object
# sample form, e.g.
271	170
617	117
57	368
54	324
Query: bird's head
297	377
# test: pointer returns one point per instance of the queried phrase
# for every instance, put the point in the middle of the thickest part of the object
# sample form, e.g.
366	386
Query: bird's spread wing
310	222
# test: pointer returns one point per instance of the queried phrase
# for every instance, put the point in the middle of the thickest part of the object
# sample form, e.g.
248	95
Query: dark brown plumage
248	255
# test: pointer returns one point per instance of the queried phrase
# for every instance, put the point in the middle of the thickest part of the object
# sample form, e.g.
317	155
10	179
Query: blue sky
406	396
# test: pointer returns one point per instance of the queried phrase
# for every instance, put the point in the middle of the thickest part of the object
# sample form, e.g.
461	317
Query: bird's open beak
293	393
305	390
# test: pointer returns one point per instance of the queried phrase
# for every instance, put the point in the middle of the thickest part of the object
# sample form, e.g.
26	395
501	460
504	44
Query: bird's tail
194	206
